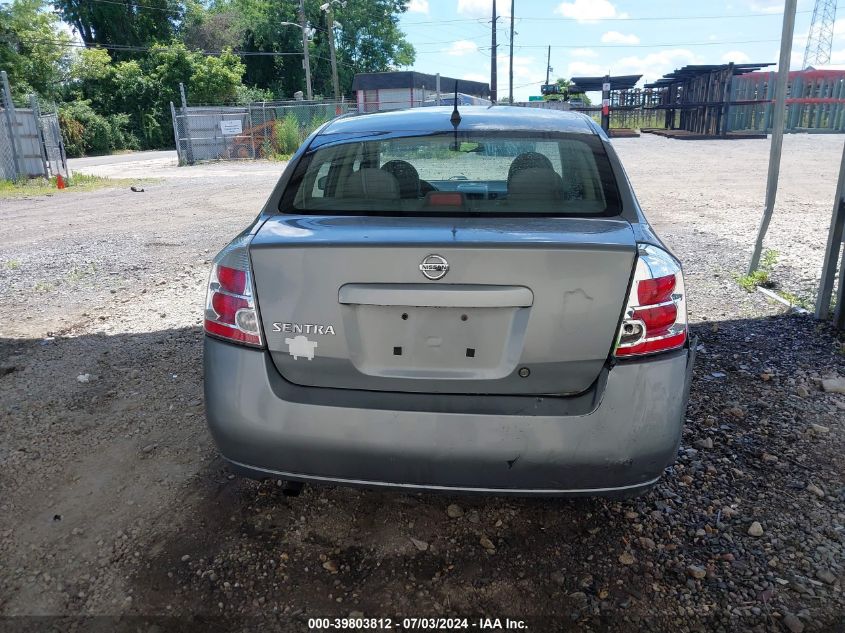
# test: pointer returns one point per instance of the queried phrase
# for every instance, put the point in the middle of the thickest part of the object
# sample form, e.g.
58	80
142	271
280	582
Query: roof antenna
456	116
456	119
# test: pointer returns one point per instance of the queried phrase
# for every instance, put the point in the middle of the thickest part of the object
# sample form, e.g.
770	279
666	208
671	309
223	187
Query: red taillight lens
655	317
230	310
658	290
227	306
231	279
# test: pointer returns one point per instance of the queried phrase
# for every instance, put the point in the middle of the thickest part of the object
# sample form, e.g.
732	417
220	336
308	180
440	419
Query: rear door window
471	173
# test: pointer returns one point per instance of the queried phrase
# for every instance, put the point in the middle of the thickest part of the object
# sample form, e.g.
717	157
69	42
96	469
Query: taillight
230	311
655	318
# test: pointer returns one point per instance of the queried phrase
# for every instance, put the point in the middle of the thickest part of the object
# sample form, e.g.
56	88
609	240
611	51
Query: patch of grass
43	286
801	302
13	264
79	273
42	186
761	276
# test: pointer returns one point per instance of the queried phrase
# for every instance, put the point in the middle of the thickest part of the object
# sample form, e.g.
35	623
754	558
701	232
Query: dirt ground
116	512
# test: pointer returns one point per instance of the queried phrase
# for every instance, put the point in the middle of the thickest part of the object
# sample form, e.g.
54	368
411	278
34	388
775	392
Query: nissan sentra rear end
471	303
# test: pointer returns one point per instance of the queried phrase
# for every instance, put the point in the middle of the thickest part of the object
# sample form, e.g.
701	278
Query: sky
594	37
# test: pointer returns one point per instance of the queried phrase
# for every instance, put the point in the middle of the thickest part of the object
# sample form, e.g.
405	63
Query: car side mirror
321	183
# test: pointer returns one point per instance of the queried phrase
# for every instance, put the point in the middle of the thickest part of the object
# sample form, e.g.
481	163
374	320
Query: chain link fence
30	142
256	130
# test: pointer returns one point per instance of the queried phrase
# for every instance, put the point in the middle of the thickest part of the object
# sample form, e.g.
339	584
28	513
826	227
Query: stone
420	545
454	511
487	544
627	558
801	391
83	378
755	529
646	543
834	385
819	429
813	488
826	575
704	443
696	572
330	566
791	622
769	459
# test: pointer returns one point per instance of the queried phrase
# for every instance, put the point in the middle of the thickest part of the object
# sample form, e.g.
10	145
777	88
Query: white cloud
461	48
737	57
654	65
615	37
418	6
483	8
588	10
583	52
766	7
585	69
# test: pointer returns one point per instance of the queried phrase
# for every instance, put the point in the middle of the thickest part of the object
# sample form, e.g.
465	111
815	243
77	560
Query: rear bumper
618	441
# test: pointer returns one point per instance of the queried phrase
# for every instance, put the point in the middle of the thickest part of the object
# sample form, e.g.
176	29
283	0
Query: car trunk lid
526	306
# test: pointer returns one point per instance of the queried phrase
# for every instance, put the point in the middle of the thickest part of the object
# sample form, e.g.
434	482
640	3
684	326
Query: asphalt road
113	159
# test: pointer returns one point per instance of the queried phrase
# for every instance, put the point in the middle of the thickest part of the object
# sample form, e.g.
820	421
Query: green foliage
759	277
32	49
125	23
288	135
251	94
86	132
121	99
42	186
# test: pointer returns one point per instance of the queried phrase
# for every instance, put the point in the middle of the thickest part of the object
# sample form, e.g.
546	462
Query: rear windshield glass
473	173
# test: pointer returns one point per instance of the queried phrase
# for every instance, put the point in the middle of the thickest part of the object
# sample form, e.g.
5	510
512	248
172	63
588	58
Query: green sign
538	98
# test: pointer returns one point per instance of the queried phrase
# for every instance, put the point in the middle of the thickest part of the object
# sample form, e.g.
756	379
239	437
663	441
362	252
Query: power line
146	49
617	19
663	45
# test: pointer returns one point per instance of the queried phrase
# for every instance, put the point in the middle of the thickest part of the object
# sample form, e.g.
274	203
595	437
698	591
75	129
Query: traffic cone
60	182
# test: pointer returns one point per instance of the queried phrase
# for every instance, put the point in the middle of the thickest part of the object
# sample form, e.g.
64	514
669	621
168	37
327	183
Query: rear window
472	173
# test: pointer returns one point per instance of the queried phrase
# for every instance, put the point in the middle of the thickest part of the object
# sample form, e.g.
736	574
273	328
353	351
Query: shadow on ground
219	551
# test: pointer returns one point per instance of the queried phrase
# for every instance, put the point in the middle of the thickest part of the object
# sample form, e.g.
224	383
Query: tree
33	49
122	22
367	40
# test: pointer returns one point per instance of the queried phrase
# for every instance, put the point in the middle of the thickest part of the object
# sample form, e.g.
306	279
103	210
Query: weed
761	276
13	264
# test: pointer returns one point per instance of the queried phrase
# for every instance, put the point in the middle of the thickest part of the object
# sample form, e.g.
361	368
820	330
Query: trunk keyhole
470	352
464	317
404	316
397	351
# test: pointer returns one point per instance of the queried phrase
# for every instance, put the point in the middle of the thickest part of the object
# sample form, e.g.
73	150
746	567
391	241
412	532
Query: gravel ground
113	501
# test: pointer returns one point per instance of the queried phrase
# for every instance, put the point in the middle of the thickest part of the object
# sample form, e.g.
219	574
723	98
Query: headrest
535	184
371	183
528	160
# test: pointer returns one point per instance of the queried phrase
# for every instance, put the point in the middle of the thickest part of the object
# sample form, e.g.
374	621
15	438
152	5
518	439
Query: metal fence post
831	253
11	124
186	125
36	115
180	157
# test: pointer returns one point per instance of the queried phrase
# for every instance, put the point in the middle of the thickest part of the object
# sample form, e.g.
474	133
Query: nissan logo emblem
434	267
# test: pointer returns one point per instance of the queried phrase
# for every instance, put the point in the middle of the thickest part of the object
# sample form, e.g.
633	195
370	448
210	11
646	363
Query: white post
777	129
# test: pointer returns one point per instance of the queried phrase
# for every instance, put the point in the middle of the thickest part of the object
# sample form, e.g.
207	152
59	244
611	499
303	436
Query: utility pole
307	58
510	69
548	64
777	130
330	18
493	94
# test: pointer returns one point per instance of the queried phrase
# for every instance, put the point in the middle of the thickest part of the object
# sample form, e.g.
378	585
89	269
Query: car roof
473	118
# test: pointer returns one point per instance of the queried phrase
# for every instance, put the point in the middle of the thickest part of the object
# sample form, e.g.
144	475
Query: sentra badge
304	328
